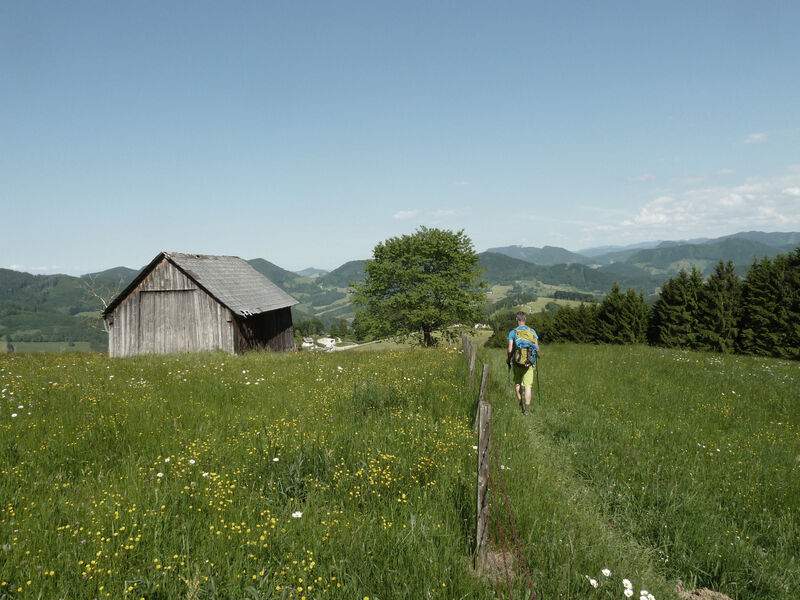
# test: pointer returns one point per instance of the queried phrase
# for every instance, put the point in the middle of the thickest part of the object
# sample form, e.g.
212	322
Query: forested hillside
59	308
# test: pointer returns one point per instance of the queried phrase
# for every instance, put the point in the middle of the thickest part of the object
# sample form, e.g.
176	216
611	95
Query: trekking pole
539	383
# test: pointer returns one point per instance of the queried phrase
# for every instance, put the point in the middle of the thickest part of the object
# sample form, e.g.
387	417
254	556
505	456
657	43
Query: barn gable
189	302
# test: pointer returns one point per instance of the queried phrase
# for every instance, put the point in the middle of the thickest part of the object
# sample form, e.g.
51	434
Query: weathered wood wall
270	331
166	313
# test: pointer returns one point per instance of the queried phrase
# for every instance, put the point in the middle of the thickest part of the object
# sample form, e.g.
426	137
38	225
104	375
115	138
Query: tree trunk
428	338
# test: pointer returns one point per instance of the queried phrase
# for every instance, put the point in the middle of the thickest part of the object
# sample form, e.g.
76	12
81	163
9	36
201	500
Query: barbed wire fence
499	553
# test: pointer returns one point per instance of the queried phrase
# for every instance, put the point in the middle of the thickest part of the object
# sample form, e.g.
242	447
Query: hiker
523	350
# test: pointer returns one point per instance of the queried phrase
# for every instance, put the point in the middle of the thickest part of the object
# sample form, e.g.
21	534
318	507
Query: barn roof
232	281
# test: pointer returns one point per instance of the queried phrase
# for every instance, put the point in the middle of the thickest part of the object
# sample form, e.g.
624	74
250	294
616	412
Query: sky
305	133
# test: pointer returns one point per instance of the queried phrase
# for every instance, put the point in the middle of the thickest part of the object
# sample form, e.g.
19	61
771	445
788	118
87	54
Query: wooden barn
194	302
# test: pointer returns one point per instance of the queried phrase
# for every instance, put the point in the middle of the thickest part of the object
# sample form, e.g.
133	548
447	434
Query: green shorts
523	376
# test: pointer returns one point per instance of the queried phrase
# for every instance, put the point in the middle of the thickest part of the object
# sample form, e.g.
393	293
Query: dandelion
297	514
606	572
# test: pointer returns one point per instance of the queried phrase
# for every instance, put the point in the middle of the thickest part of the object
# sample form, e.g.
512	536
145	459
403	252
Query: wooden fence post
481	394
484	446
472	357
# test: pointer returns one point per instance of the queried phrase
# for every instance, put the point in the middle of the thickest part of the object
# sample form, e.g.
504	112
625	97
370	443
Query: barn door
165	321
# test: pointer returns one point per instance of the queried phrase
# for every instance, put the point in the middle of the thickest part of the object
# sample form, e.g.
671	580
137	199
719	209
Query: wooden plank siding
168	312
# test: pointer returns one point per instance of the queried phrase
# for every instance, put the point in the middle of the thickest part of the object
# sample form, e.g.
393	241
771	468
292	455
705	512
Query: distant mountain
669	259
344	276
312	273
778	239
601	250
114	274
273	272
499	268
548	255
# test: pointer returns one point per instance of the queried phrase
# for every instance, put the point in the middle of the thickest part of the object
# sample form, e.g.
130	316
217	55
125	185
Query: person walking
523	350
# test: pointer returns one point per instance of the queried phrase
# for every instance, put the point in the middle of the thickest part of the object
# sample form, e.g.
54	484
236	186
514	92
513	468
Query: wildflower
205	473
606	572
276	459
297	514
13	415
628	592
192	461
592	582
627	584
159	474
166	460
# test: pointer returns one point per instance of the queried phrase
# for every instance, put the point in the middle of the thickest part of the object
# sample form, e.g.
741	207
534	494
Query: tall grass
212	476
692	457
351	475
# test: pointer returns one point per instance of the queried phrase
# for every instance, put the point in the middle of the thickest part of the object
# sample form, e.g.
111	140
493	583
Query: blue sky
306	133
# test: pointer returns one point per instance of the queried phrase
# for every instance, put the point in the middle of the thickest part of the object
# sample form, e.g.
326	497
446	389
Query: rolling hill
57	308
547	255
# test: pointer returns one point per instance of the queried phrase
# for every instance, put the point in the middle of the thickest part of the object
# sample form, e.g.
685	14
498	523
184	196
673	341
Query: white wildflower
159	474
606	572
192	461
13	415
276	459
627	584
166	460
593	582
628	592
297	514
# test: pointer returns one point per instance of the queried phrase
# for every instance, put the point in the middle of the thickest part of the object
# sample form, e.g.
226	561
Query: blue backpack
525	343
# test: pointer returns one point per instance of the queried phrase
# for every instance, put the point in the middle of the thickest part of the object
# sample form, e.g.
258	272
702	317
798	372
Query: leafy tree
719	305
622	318
421	282
674	322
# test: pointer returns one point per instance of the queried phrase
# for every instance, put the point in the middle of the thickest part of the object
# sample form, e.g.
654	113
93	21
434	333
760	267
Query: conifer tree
793	304
764	310
719	304
622	318
674	322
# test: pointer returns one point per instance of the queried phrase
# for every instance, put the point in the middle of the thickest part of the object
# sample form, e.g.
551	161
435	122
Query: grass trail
688	462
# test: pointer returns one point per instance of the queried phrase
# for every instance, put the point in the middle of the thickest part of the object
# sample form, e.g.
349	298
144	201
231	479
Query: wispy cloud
767	203
643	178
760	203
461	183
432	215
758	137
405	215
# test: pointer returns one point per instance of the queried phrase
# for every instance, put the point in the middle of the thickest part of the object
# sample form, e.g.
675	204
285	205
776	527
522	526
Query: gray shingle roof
233	282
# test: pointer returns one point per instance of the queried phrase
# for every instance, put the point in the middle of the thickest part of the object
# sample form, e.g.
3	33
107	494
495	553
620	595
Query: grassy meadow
344	475
693	458
351	475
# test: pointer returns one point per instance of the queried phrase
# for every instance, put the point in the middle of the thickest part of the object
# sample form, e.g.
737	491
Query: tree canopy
421	282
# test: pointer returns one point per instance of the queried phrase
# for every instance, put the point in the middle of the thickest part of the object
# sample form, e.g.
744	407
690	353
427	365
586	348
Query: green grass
540	303
695	458
159	476
658	465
